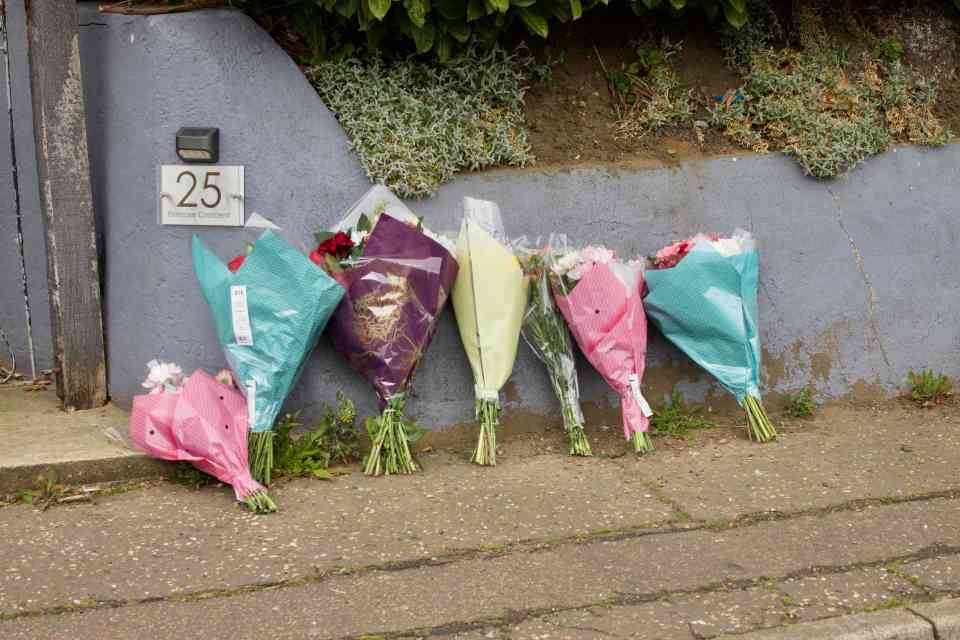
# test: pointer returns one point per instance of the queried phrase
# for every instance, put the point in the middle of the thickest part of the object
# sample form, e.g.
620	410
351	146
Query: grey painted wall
859	275
12	315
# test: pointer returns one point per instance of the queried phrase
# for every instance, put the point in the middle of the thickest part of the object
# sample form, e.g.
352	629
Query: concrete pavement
853	512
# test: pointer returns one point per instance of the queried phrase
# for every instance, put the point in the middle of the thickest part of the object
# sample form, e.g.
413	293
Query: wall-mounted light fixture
198	144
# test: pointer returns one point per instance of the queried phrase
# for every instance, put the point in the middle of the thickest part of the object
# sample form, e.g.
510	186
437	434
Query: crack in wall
933	627
871	292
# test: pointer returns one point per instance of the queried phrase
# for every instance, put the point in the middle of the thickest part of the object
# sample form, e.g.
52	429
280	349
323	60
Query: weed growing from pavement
332	441
677	419
189	476
415	123
801	404
928	388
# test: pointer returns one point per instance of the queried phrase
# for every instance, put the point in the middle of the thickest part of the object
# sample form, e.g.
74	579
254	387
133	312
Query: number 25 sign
210	195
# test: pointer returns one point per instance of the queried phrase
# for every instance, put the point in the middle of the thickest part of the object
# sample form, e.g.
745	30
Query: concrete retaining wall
859	275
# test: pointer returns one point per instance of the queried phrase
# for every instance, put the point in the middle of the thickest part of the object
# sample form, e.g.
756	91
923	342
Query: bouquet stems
261	455
642	442
390	445
260	502
759	427
488	413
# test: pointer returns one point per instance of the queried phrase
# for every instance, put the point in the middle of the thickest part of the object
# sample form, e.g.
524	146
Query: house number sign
201	194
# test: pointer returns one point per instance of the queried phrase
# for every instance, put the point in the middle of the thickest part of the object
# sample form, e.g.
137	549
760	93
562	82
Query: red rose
338	245
316	257
234	264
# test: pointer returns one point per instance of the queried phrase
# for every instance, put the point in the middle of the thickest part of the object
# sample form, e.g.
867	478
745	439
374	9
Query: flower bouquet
268	312
398	277
601	299
200	421
703	298
489	299
546	332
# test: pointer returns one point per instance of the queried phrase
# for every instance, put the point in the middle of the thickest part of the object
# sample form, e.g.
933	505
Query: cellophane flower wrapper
707	306
545	331
288	302
604	310
204	423
489	299
395	294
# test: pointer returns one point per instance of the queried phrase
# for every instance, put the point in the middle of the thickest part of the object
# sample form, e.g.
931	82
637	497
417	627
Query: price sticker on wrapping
242	332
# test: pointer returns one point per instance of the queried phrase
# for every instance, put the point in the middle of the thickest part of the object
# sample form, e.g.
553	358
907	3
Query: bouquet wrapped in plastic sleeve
204	423
546	332
398	278
269	312
489	299
703	298
601	299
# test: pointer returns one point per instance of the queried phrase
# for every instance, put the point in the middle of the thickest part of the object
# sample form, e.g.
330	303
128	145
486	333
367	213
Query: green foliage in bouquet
414	123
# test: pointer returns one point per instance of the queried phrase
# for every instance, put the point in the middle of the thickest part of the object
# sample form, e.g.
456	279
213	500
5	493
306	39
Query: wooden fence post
60	129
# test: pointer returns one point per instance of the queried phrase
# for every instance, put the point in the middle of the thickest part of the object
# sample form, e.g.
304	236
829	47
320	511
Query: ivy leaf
347	8
678	4
444	51
322	474
651	4
499	5
363	224
576	9
323	236
459	31
379	8
739	5
523	3
417	10
476	9
423	37
451	9
736	18
534	22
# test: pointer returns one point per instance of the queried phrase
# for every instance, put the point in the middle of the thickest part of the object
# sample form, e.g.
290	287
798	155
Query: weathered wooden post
65	197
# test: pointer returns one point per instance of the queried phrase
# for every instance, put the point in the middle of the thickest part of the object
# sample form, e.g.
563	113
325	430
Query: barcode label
242	332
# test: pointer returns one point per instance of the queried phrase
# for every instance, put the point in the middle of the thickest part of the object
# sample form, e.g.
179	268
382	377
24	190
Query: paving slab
39	436
941	574
893	624
887	451
822	596
169	539
482	590
943	615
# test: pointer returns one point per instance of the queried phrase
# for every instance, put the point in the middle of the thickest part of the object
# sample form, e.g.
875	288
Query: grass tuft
677	419
928	388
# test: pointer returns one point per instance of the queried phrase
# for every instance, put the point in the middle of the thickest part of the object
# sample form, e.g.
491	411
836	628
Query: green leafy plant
928	387
888	49
829	117
188	475
311	453
414	124
649	93
801	404
677	419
